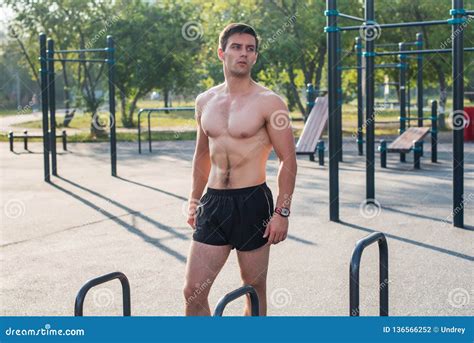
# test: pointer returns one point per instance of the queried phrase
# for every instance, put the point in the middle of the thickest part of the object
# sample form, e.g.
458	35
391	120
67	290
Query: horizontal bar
79	50
162	109
342	15
388	65
75	60
395	25
416	52
394	44
416	118
470	12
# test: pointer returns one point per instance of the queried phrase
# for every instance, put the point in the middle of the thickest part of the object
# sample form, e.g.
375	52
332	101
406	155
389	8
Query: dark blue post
383	153
339	93
434	131
52	105
419	82
113	138
369	93
360	98
11	138
331	29
44	105
320	148
458	106
403	95
416	154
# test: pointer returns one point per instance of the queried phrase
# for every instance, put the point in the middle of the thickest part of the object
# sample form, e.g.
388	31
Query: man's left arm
279	129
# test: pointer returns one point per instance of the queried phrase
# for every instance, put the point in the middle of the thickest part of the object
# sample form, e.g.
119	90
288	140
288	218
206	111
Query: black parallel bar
419	52
396	25
229	297
434	131
80	50
25	139
360	99
331	5
149	131
339	96
139	131
383	45
52	107
11	139
342	15
370	114
419	81
81	295
44	105
113	135
78	60
354	272
403	97
458	107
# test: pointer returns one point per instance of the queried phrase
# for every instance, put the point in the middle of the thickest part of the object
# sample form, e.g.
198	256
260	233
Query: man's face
240	54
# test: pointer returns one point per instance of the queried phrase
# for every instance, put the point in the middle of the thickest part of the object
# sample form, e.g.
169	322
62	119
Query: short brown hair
233	28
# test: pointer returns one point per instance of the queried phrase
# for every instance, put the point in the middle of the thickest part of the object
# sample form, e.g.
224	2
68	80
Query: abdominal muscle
238	162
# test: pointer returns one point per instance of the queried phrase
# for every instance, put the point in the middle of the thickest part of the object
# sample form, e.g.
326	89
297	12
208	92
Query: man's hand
192	211
277	229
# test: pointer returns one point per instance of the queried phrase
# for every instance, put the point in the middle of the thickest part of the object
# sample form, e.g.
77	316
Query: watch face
285	211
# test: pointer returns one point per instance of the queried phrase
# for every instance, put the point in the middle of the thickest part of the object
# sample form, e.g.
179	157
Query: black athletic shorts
236	217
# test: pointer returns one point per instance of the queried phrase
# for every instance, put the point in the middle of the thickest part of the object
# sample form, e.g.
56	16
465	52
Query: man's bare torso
239	144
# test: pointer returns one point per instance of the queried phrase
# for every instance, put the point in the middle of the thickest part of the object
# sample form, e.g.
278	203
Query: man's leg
204	263
253	270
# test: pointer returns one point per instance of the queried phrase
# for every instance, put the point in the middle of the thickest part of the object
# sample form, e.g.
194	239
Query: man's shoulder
271	100
205	96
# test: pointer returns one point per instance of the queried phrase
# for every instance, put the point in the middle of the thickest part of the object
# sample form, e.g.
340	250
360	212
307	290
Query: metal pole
339	94
419	85
310	97
44	105
434	131
458	107
113	138
370	115
52	106
360	99
149	131
403	93
331	5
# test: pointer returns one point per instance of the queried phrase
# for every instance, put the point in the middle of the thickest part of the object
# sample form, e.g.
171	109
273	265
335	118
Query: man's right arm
201	164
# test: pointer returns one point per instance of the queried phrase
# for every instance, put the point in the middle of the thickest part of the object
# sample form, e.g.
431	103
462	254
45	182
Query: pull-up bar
79	60
370	24
418	52
82	50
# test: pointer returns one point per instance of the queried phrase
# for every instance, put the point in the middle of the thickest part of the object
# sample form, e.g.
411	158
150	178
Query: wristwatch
283	211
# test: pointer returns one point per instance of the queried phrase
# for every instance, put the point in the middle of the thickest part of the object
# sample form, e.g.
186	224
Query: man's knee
195	292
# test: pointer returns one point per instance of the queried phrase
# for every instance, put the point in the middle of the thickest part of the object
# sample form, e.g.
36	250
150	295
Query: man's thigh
204	263
254	265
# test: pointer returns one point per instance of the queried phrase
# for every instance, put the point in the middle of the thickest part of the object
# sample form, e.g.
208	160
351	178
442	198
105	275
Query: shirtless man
239	122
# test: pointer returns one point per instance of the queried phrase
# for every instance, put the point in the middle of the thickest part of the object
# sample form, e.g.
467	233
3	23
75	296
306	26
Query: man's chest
239	119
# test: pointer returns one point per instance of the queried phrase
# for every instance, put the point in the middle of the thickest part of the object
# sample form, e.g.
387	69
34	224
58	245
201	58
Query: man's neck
238	85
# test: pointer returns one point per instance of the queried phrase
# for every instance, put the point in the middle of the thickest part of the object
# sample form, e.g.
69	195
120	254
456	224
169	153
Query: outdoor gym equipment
457	20
48	98
354	269
149	112
26	136
223	302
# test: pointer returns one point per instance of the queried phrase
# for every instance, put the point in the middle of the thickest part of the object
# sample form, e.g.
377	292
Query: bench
410	140
310	141
26	136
